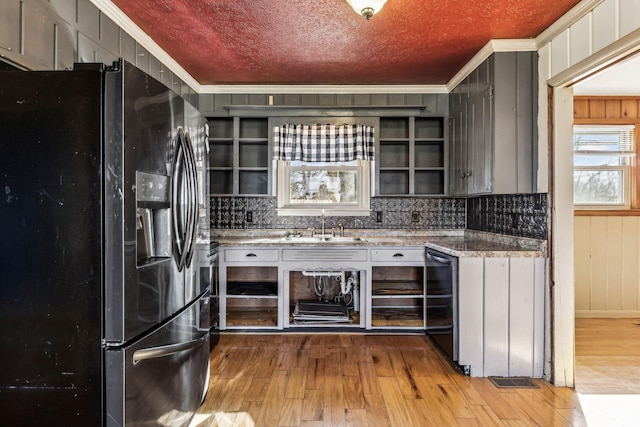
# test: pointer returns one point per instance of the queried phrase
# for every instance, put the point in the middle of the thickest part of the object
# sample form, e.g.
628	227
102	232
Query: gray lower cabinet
314	279
500	299
250	289
501	316
397	291
492	127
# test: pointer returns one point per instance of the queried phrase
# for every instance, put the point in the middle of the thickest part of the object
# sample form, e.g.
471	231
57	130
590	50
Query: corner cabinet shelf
239	156
411	156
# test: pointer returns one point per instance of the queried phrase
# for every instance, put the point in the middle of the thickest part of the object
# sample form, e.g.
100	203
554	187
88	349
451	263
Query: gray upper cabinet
492	127
10	30
239	156
411	156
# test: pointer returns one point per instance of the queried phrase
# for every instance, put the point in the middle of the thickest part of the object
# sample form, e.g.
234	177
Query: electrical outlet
415	216
378	216
249	217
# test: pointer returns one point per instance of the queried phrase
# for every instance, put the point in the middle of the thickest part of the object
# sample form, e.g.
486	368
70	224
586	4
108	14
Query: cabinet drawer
397	255
250	255
324	255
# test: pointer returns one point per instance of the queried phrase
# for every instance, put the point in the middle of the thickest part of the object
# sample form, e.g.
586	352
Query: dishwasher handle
438	258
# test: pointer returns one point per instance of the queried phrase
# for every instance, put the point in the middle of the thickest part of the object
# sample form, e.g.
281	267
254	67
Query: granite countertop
460	243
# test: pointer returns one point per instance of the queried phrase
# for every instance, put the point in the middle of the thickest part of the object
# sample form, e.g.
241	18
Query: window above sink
323	168
329	188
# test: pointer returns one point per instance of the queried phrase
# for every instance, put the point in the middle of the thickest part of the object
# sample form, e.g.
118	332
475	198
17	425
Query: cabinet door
480	143
10	30
458	135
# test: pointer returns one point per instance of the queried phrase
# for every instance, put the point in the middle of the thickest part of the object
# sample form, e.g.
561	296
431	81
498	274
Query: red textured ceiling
326	42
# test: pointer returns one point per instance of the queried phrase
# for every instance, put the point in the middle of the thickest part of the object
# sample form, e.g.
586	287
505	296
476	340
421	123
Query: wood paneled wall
607	247
606	109
607	266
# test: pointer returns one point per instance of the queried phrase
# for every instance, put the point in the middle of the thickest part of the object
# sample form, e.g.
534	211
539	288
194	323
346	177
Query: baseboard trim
618	314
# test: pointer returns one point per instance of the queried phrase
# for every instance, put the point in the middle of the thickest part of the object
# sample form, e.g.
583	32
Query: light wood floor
317	380
608	356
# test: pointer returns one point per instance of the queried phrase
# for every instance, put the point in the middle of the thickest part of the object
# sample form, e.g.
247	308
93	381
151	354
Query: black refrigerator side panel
51	252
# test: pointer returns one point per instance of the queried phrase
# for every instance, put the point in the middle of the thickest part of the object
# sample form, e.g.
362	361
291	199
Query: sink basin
322	239
346	239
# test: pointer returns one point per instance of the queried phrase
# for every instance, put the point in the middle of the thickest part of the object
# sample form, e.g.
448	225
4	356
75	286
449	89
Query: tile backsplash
393	212
523	215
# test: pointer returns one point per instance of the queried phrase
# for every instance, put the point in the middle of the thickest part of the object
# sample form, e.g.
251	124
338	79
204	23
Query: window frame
362	206
631	176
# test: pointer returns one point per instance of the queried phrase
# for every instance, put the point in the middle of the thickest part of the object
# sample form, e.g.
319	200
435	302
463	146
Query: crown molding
322	89
498	45
126	24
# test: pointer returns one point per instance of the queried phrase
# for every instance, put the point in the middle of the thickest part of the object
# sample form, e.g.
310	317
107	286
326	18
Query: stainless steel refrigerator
104	315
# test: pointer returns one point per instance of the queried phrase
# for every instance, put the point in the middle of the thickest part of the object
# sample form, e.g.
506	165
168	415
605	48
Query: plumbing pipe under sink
346	284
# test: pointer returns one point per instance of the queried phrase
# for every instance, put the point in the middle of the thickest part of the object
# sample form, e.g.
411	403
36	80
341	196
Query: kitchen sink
324	238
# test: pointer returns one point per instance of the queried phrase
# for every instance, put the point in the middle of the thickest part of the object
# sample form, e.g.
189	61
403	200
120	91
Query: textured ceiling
326	42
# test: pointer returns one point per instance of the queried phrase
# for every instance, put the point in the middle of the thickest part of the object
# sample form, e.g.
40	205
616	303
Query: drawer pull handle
251	255
398	255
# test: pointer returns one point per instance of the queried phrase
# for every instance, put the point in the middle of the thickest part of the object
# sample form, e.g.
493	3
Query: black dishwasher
442	301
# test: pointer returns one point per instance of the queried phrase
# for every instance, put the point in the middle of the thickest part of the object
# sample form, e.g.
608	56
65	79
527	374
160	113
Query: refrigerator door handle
193	217
167	350
180	223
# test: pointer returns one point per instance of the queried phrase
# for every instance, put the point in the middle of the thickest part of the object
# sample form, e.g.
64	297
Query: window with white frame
602	160
323	168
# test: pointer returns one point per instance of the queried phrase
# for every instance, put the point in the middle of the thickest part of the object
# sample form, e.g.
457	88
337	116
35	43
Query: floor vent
513	382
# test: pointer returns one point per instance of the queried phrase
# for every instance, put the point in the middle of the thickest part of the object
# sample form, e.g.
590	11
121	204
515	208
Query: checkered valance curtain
323	143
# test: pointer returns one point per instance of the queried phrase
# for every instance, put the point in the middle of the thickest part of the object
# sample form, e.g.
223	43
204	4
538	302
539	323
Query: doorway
607	278
568	335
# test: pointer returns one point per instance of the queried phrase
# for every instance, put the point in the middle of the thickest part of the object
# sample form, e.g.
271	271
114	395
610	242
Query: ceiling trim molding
126	24
498	45
566	21
321	89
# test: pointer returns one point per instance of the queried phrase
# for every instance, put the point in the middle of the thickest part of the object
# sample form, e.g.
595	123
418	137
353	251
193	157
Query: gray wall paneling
127	47
10	10
54	34
214	104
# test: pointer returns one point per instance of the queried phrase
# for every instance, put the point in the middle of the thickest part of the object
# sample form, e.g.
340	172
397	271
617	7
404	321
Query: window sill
607	212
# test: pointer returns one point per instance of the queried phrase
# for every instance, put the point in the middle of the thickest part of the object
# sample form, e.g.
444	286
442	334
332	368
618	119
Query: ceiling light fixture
366	8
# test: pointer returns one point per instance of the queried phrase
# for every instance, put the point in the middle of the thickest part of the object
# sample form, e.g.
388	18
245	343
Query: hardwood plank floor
607	354
607	371
313	380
